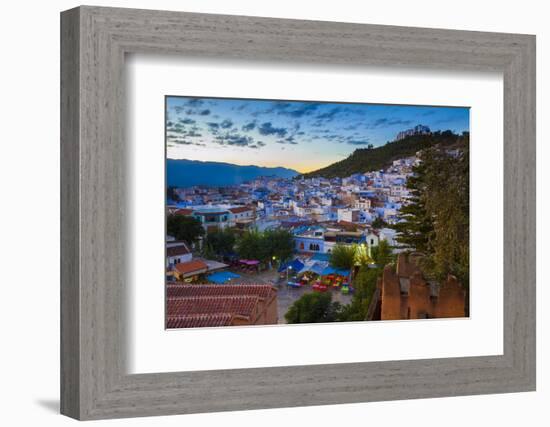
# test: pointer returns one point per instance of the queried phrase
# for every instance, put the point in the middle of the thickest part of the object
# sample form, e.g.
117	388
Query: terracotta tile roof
194	266
184	290
350	225
189	306
180	249
200	320
210	213
243	305
240	209
183	212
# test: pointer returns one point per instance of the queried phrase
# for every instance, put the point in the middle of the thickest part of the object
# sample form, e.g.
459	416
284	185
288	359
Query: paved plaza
285	295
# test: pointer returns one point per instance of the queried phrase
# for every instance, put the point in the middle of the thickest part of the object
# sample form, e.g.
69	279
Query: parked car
293	284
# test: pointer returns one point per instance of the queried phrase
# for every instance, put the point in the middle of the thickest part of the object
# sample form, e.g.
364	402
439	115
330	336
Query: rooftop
262	291
200	320
242	305
195	266
240	209
177	249
183	212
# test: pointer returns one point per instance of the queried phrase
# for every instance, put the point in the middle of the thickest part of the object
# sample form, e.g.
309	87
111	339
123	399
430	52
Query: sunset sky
304	136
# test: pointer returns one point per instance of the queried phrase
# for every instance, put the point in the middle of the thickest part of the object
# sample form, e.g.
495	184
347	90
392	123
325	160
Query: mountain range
187	173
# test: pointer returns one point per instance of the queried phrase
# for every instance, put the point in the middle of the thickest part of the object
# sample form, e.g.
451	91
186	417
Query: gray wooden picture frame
94	381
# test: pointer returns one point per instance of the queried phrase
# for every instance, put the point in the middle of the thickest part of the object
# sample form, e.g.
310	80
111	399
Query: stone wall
405	293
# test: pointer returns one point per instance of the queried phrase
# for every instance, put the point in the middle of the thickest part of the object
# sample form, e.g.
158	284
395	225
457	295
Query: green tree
382	253
449	204
250	245
279	244
362	256
208	251
313	307
416	228
343	256
379	223
365	285
184	228
436	222
220	242
266	246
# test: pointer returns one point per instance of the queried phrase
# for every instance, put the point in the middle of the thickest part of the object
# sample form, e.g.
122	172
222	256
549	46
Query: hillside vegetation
370	159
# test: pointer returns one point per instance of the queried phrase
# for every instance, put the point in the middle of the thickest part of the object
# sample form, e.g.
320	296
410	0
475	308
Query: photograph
293	212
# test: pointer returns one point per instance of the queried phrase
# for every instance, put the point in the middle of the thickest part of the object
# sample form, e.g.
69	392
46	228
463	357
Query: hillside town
319	214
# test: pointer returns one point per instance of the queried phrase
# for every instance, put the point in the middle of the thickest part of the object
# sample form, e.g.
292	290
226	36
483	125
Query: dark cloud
183	141
268	129
177	128
249	126
380	122
357	141
192	107
385	121
213	126
235	140
297	110
290	109
181	129
329	115
281	106
291	140
226	124
195	102
287	140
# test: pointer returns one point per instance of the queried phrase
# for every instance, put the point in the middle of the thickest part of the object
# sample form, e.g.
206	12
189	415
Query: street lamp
288	268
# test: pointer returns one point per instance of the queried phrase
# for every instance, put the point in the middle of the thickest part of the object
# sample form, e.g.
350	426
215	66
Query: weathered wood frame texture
94	41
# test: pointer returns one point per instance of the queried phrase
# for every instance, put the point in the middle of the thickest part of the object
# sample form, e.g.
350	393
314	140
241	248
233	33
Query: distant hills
370	159
186	173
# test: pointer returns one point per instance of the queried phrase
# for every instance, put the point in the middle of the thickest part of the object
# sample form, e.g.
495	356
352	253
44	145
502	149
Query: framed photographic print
275	213
335	193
